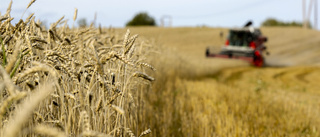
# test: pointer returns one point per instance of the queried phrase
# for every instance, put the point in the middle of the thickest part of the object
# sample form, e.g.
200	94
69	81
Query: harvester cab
245	43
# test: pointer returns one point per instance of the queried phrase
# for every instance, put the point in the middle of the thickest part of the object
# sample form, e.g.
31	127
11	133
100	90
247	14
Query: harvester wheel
258	61
207	52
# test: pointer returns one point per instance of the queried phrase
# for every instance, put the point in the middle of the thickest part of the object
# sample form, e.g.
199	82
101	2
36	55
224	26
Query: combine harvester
245	44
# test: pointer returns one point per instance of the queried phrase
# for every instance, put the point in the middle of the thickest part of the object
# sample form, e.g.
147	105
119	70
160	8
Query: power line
241	8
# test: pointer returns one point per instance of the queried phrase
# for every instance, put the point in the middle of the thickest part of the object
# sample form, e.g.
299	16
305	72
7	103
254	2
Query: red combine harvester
245	44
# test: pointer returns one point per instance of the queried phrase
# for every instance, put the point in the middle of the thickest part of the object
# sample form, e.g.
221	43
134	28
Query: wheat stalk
130	43
75	14
54	25
99	105
10	99
25	110
7	81
12	62
126	37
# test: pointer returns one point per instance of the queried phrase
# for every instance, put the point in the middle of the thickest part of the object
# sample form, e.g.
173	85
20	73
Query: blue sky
213	13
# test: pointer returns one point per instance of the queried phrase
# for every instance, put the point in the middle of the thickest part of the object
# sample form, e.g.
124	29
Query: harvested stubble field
92	81
216	97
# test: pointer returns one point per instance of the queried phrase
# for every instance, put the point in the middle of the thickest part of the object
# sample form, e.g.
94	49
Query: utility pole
315	14
166	20
306	16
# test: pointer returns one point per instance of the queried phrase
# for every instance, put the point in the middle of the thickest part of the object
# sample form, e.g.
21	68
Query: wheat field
66	81
218	97
93	81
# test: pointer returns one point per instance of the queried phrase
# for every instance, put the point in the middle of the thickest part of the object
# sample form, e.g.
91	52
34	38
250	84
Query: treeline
275	22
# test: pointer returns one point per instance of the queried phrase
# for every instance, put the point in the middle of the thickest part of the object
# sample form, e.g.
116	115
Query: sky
183	13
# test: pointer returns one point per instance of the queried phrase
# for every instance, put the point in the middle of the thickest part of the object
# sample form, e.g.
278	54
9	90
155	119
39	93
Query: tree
274	22
270	22
82	22
142	19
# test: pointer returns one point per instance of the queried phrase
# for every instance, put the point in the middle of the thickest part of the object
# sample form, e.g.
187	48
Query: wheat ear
145	132
118	109
129	132
144	76
8	9
40	67
93	134
25	110
3	18
31	2
85	121
75	14
48	131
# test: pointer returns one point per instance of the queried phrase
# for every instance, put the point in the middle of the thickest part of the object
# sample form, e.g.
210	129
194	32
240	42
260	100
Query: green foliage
274	22
142	19
18	63
4	62
82	23
4	58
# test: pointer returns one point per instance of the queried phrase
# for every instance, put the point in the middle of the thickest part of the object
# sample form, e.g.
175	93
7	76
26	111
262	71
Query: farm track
302	75
231	75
